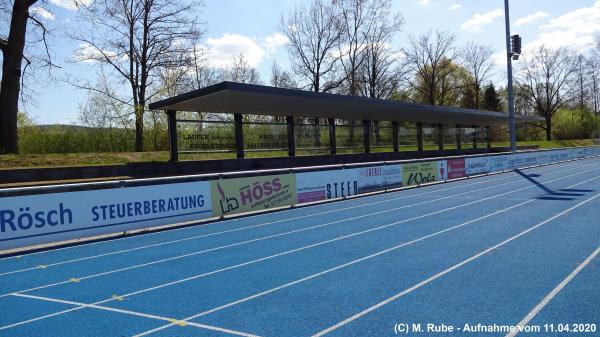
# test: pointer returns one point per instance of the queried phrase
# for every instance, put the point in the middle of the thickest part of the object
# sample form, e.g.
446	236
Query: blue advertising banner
36	219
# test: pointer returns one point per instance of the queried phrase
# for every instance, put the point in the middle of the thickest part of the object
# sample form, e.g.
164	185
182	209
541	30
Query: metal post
511	98
367	135
395	136
291	140
317	133
488	136
458	137
420	136
332	144
239	135
440	128
475	136
172	125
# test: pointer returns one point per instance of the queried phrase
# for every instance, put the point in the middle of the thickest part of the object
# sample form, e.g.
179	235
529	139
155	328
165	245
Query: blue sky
250	27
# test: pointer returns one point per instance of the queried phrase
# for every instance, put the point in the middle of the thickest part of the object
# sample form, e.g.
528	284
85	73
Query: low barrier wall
30	216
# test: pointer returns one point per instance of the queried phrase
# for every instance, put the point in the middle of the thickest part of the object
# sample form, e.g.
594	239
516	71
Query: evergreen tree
491	99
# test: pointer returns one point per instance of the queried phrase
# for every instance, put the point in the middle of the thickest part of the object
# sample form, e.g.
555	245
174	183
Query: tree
594	77
546	79
137	39
12	46
430	58
491	99
358	20
240	71
313	33
281	78
450	89
381	73
477	59
581	92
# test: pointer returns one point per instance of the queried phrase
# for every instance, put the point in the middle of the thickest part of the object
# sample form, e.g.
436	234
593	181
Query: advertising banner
250	194
477	165
315	186
35	219
499	163
419	173
442	170
554	156
521	160
456	168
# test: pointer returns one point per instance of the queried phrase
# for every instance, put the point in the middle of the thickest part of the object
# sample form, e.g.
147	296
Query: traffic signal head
515	42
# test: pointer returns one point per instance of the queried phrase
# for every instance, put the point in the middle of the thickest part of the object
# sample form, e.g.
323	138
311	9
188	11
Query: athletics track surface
499	249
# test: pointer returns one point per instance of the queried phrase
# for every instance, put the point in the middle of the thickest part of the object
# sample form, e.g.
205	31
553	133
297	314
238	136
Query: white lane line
456	266
310	246
552	294
81	305
264	224
259	239
253	226
242	228
313	276
242	243
266	292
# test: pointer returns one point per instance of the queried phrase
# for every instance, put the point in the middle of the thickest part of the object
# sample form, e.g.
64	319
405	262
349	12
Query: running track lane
417	249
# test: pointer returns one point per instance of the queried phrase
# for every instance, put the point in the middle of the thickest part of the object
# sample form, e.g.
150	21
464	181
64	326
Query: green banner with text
241	195
419	173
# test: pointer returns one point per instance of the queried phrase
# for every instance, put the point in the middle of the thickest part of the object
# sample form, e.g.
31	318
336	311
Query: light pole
511	98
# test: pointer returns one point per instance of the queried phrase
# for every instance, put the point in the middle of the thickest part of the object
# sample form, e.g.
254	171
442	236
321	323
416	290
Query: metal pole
395	136
172	123
332	145
291	138
239	135
440	128
420	136
511	98
367	135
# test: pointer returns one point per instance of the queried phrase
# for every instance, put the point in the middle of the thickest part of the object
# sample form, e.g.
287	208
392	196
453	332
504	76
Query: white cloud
220	52
41	12
530	18
71	4
275	41
474	24
424	2
88	54
575	29
455	7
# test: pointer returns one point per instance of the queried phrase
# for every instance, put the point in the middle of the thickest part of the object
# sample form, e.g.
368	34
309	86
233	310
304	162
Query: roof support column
291	139
332	145
172	126
395	136
488	136
317	133
475	136
440	128
367	135
239	135
458	137
420	136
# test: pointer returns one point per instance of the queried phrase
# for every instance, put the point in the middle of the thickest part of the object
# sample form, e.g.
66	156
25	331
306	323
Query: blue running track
517	249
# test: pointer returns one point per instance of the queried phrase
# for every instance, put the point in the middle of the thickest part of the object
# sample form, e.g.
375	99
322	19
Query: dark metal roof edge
189	95
267	90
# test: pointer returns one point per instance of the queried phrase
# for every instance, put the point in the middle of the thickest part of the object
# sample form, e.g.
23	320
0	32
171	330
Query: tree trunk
548	129
12	52
139	128
477	89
